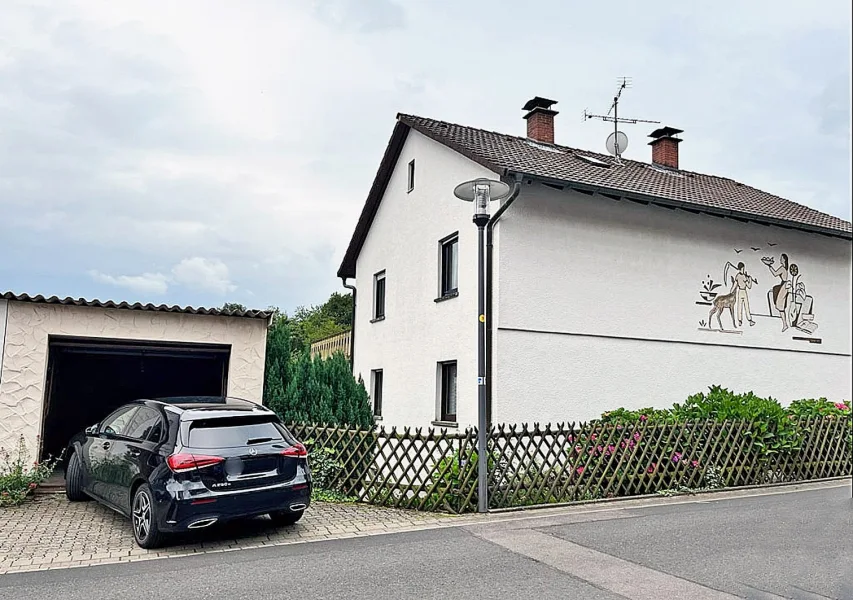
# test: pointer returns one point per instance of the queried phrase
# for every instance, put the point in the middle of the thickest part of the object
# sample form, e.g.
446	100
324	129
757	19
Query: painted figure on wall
721	303
787	300
781	292
742	284
800	315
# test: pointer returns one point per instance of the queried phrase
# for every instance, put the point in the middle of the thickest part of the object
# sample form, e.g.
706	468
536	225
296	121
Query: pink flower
612	448
652	468
578	448
32	486
643	418
841	406
622	444
676	457
631	443
570	439
579	470
694	463
593	437
637	436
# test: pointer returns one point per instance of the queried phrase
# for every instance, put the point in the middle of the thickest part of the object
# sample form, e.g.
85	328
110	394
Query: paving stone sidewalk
49	532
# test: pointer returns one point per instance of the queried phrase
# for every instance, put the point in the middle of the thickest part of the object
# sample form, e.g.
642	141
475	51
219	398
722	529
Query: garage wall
28	325
3	305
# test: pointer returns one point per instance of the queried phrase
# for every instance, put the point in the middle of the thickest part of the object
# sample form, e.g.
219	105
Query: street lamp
481	192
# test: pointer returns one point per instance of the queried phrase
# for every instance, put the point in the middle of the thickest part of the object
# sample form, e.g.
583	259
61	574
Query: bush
818	408
19	478
325	469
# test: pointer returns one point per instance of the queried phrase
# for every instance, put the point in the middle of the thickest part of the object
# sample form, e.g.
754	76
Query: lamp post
481	192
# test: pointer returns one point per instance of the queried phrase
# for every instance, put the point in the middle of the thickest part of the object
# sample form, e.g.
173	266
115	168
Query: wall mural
783	296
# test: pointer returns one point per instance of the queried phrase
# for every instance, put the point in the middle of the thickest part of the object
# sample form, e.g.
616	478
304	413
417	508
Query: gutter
352	327
490	326
618	194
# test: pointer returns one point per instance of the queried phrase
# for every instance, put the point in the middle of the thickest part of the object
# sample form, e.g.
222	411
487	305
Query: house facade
615	282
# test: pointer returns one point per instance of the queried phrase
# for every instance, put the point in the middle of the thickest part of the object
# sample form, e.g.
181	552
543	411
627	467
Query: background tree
301	388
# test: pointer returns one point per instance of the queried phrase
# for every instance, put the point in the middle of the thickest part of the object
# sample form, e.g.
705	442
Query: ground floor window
376	391
448	391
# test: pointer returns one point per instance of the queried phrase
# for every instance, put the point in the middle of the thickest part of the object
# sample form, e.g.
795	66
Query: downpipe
516	190
352	325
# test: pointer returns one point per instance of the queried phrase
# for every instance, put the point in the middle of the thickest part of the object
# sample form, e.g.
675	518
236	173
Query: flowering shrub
18	477
821	407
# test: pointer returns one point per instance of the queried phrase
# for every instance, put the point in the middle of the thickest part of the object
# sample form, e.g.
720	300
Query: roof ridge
416	120
527	139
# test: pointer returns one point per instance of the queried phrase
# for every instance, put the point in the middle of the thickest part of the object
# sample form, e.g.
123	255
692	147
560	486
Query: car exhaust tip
201	523
297	507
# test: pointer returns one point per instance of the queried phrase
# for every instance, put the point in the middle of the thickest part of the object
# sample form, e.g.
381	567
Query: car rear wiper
251	441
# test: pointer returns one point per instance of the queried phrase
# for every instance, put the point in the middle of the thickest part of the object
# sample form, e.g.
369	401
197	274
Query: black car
185	463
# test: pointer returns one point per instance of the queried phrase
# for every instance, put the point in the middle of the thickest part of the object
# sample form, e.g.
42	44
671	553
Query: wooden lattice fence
528	465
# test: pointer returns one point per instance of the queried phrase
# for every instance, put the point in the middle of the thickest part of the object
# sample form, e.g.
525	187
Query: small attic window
544	148
593	161
670	172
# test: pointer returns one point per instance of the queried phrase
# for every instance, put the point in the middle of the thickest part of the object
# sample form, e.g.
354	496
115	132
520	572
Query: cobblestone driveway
52	533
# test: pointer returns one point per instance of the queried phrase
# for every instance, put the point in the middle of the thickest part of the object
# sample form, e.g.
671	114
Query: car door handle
106	445
133	451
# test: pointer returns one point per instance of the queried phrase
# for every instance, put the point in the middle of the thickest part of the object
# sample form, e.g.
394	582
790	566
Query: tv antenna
617	141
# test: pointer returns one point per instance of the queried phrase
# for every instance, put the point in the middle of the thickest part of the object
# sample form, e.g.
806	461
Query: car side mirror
92	430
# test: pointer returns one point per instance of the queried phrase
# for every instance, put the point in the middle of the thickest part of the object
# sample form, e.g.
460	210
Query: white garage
66	363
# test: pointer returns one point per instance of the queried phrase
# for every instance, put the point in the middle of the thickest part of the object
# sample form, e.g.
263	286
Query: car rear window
232	433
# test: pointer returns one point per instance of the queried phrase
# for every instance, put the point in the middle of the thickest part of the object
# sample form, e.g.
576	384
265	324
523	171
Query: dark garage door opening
88	379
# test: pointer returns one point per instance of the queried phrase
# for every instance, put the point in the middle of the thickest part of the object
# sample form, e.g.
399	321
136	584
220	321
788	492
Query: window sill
446	297
446	424
377	319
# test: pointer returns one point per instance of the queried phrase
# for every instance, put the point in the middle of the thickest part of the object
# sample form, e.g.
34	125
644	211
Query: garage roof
253	314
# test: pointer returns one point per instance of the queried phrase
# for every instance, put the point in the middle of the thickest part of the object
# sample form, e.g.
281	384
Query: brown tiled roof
507	154
253	314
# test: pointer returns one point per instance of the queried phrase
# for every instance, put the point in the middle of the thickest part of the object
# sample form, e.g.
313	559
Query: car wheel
74	480
285	517
143	519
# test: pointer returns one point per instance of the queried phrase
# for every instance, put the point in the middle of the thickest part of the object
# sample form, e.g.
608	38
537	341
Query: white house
614	282
66	364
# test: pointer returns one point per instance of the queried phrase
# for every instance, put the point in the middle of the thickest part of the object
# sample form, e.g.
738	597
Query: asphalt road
785	545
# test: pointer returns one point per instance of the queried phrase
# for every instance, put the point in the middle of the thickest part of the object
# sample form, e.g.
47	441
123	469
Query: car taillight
181	463
296	451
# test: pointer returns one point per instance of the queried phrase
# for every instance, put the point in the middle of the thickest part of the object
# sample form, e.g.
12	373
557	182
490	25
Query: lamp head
481	192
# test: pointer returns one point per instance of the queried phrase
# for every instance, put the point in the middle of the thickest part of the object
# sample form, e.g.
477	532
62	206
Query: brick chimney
540	119
665	147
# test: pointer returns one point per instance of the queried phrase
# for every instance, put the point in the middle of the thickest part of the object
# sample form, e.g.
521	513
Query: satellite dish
613	139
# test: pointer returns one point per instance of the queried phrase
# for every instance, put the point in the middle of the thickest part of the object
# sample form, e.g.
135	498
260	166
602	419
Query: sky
198	152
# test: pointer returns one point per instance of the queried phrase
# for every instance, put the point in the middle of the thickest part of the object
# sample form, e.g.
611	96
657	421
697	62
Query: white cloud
196	273
147	283
203	274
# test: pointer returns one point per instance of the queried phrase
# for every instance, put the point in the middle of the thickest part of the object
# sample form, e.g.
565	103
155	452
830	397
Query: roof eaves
691	207
374	197
68	301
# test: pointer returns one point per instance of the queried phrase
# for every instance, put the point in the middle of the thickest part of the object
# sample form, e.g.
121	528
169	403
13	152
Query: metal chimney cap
538	102
665	132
